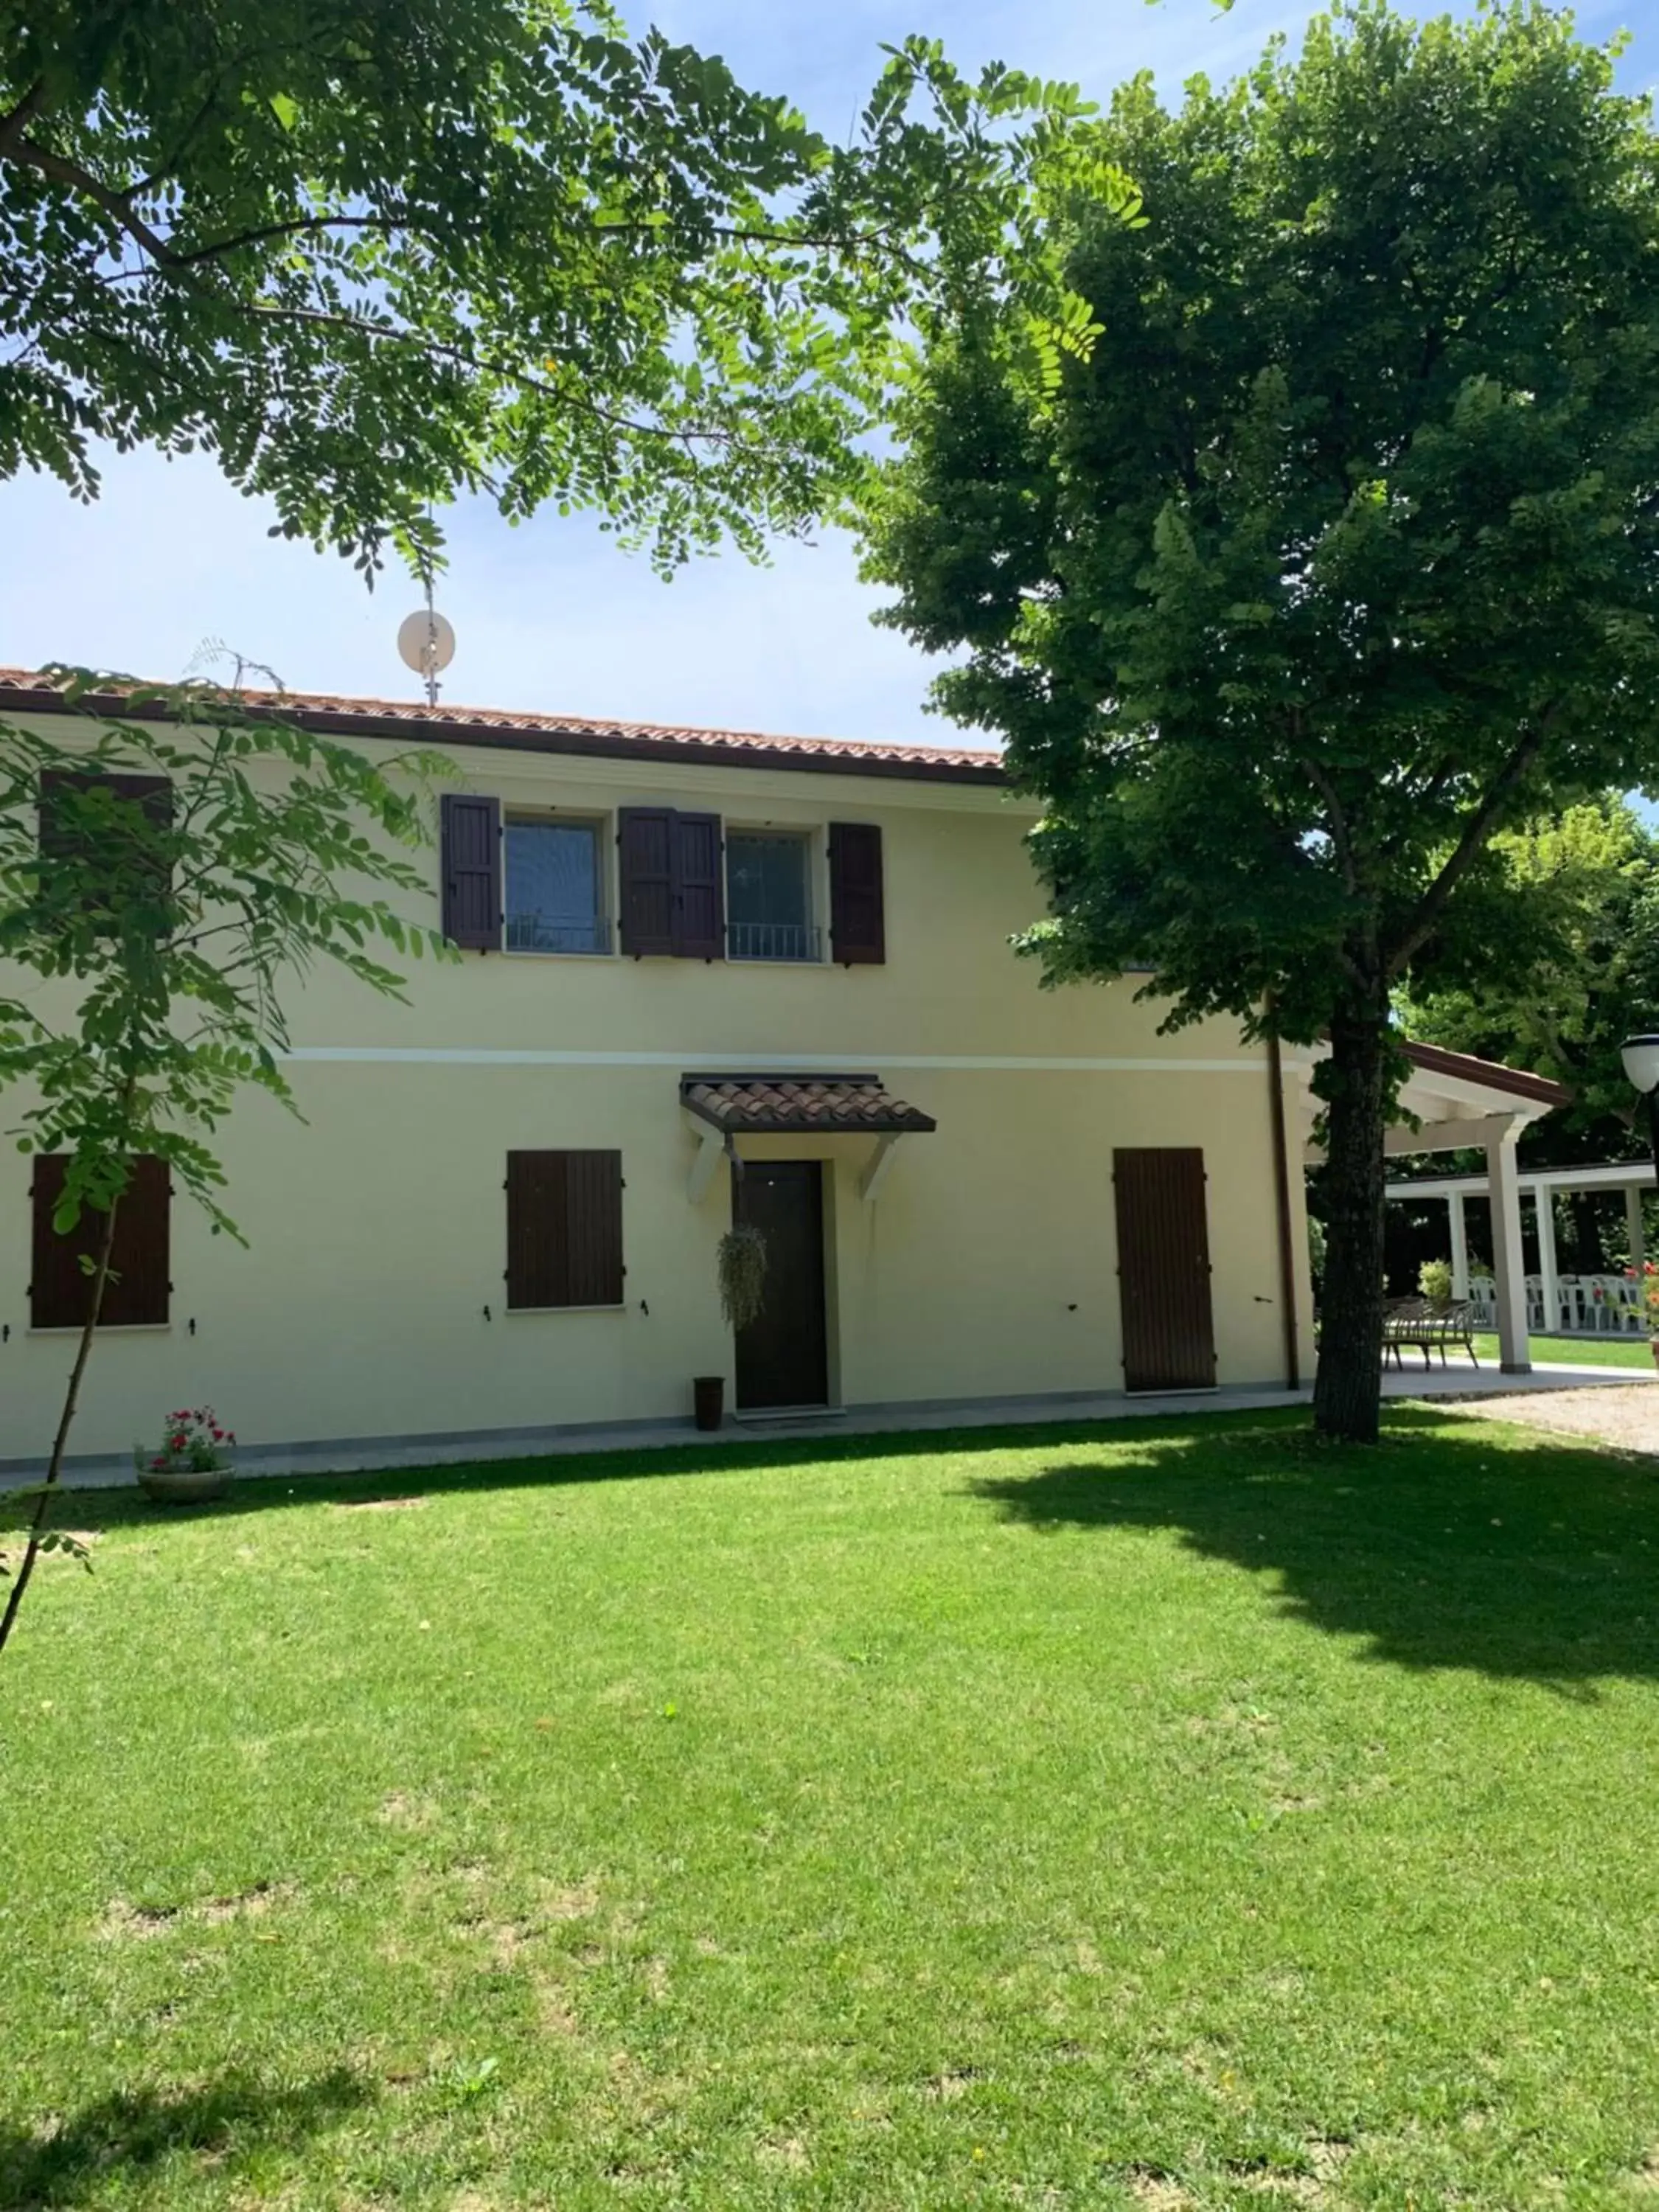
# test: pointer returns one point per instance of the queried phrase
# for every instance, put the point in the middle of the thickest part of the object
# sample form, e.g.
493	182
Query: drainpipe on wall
1282	1209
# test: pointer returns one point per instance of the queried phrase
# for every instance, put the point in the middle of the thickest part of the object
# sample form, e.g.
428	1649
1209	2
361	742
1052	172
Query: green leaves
371	263
1314	543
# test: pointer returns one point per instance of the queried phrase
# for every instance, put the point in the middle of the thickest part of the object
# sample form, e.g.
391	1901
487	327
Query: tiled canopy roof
23	689
831	1105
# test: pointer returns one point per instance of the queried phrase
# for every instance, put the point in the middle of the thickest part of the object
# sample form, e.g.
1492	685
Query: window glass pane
767	909
553	887
765	877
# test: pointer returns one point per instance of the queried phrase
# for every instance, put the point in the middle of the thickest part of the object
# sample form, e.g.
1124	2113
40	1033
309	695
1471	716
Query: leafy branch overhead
372	256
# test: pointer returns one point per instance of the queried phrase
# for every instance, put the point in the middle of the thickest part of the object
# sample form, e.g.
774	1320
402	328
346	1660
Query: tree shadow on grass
1453	1543
123	1508
123	2135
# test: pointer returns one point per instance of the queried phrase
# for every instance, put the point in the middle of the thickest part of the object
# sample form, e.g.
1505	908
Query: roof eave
550	737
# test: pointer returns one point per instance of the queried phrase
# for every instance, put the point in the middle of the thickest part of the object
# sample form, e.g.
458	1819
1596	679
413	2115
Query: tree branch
17	119
854	245
1322	783
1476	830
386	333
117	206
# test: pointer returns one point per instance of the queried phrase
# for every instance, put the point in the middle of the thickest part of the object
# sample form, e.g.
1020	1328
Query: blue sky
551	616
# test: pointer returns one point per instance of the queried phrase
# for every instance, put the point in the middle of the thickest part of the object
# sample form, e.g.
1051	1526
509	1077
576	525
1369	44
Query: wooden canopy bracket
876	1167
712	1145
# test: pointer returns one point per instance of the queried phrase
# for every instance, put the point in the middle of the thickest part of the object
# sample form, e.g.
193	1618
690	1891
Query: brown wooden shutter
59	839
645	850
1163	1268
471	863
699	888
535	1271
858	923
594	1227
564	1228
137	1292
154	793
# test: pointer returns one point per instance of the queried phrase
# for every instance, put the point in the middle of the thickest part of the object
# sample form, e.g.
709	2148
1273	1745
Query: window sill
513	1312
106	1329
534	952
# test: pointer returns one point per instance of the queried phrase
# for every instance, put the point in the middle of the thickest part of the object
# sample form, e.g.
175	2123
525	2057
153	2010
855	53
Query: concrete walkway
1457	1379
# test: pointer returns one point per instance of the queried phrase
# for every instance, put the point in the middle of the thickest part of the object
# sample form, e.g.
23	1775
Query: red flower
230	1436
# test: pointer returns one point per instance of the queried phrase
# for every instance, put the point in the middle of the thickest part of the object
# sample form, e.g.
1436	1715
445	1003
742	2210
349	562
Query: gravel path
1625	1414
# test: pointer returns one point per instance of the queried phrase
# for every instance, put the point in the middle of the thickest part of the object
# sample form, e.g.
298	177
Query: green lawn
1580	1351
1168	1815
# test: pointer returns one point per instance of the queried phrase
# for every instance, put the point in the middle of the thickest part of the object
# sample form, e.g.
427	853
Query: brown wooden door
783	1356
1163	1270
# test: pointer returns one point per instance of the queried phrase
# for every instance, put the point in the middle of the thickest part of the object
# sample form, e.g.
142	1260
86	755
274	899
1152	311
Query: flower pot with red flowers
193	1462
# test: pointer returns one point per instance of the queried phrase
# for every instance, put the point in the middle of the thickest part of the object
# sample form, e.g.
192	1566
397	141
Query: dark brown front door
1163	1270
783	1359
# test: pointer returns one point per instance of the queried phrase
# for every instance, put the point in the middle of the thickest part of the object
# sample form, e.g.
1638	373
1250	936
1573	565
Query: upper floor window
768	895
555	889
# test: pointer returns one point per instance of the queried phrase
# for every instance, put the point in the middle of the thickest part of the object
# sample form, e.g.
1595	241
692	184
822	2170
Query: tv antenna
426	643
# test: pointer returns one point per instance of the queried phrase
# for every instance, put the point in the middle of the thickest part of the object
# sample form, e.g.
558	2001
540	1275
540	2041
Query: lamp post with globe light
1641	1057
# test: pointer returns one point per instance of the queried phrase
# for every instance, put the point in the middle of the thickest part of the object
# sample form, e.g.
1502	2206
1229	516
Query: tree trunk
1348	1387
43	1503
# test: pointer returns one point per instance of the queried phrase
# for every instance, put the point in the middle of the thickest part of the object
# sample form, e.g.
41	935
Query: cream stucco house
703	971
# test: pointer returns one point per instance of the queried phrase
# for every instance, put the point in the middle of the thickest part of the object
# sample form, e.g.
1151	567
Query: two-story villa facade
704	976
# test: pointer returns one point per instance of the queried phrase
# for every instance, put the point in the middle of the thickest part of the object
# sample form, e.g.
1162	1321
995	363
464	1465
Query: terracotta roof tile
831	1105
21	688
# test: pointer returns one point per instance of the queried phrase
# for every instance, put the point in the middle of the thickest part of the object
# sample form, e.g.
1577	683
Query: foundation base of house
499	1446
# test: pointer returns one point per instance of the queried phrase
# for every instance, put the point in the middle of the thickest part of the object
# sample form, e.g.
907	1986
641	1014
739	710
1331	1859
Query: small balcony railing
540	933
772	940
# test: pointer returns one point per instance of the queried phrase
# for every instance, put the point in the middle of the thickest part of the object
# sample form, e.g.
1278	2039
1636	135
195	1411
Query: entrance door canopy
730	1106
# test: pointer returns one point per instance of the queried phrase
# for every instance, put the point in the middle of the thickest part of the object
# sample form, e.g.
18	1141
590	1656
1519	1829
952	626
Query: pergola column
1509	1265
1460	1246
1544	1207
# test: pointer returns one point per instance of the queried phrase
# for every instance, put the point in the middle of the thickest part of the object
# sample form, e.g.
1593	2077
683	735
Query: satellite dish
425	642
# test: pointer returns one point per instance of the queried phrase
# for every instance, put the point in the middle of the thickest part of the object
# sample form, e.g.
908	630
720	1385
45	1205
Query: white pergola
1458	1102
1635	1178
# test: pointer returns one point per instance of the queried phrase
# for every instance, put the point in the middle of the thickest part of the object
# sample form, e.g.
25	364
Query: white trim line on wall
784	1063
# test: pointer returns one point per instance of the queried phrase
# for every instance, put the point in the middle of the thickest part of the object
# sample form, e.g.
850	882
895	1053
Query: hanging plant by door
740	1265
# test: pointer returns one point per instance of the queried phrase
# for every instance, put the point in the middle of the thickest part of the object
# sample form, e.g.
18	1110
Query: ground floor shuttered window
137	1293
564	1229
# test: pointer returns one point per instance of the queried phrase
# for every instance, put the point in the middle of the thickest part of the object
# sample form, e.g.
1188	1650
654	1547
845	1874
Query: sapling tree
148	930
1336	555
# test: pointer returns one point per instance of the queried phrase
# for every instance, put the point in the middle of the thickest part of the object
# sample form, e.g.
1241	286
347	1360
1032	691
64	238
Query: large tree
1338	554
369	254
